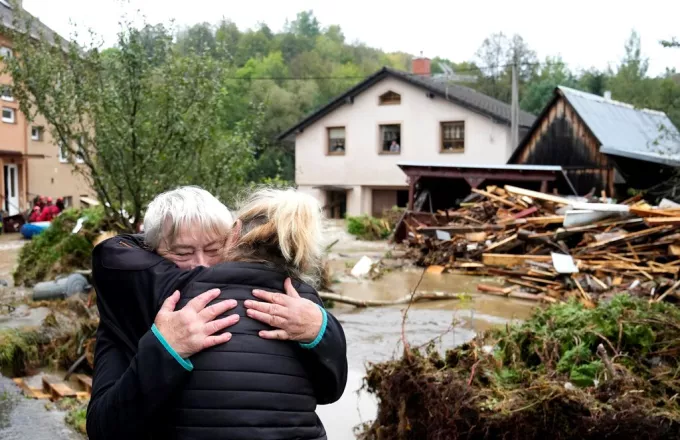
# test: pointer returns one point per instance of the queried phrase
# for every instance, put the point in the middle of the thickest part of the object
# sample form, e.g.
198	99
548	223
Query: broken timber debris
512	232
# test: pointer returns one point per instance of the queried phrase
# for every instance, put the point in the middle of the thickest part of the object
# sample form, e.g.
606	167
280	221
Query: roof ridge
601	99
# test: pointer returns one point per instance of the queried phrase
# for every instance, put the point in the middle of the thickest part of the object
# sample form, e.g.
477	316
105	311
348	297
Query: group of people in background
44	210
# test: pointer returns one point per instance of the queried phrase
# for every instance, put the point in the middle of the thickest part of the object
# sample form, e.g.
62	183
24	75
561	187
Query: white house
346	153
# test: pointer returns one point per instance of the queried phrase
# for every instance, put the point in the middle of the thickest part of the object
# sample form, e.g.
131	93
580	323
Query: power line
328	78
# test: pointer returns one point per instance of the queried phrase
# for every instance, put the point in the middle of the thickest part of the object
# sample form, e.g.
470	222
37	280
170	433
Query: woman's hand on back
295	318
193	328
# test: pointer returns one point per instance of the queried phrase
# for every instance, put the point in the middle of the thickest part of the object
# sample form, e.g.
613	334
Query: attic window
390	98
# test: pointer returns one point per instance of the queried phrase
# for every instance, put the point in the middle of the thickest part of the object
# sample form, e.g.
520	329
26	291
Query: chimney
420	66
608	95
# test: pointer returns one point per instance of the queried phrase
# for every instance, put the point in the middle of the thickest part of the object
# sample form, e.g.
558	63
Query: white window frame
10	97
9	120
63	153
79	157
36	133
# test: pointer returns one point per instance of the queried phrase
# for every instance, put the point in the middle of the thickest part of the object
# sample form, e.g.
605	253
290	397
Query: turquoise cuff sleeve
318	338
185	363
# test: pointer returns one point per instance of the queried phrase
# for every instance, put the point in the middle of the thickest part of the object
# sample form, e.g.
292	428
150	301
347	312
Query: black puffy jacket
141	392
255	388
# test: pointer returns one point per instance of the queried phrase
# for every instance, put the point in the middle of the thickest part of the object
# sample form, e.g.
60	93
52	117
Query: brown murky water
373	334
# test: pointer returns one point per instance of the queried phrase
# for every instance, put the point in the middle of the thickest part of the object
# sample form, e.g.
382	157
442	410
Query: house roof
621	129
7	14
455	93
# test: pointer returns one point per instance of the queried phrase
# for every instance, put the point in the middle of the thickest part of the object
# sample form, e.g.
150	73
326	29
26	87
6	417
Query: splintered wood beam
626	237
494	197
509	260
537	195
662	220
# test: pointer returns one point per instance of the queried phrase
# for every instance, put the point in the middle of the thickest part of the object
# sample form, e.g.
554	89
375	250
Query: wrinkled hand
296	318
191	329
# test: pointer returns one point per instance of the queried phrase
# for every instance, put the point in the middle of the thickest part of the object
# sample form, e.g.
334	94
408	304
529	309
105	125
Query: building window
5	52
68	202
336	140
37	133
8	115
390	138
63	153
453	137
390	98
6	93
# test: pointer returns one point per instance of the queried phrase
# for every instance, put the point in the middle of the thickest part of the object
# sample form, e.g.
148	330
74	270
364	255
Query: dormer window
390	98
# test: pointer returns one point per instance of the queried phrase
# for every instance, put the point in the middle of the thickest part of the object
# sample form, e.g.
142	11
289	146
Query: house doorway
11	196
336	204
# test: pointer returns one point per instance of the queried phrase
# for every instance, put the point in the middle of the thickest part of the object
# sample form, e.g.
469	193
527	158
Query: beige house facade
347	153
31	163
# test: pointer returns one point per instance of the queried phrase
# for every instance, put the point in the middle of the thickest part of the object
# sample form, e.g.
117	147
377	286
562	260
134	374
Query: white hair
186	205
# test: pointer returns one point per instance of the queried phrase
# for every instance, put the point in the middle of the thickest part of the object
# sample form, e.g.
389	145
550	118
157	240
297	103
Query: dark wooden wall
563	139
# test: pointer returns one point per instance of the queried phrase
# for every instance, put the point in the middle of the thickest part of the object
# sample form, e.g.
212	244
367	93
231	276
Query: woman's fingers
215	310
170	302
274	298
289	289
202	300
211	341
269	309
274	334
274	321
220	324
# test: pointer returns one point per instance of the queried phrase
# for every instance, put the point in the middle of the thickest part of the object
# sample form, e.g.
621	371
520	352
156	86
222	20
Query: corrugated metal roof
481	166
626	131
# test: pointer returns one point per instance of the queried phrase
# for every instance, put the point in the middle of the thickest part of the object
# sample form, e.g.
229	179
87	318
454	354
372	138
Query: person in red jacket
34	215
48	212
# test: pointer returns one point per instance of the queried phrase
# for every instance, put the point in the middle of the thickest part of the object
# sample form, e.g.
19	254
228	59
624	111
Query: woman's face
193	247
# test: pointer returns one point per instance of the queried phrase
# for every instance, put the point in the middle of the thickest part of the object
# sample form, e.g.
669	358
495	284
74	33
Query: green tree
134	120
539	91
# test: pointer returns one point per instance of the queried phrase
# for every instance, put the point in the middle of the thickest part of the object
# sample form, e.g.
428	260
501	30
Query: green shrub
369	228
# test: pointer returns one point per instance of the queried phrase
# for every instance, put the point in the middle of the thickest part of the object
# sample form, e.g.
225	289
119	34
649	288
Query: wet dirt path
22	418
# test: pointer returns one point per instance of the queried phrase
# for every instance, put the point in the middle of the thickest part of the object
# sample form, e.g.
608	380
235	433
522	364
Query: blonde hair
184	206
282	227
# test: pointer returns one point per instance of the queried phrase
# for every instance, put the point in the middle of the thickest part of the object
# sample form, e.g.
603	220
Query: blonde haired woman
261	384
286	353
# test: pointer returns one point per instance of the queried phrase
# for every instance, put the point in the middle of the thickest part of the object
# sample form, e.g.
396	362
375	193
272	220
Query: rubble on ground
551	248
568	372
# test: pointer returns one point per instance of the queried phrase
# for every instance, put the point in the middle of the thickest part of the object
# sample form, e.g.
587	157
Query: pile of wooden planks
55	389
549	247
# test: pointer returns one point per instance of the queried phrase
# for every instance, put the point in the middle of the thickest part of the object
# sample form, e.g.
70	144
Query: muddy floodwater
373	334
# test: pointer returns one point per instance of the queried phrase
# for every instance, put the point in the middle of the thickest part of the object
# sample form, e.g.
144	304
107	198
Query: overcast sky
586	33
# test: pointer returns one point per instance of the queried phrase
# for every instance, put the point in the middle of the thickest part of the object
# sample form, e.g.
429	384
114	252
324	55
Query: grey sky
585	32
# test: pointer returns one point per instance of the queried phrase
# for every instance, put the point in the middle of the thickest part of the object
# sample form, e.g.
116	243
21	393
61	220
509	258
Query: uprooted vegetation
57	250
65	335
542	379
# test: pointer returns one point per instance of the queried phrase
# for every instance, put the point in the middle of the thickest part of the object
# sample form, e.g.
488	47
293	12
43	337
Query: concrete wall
363	164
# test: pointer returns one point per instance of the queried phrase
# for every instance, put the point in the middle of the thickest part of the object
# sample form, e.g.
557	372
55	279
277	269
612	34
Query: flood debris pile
568	372
64	336
369	228
63	247
551	248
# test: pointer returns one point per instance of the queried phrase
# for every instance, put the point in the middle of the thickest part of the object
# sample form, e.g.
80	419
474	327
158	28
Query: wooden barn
601	144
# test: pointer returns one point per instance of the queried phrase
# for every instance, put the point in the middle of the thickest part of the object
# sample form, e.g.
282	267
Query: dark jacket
136	381
255	388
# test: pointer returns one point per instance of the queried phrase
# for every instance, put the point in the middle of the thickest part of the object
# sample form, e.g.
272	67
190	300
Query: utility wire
325	78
